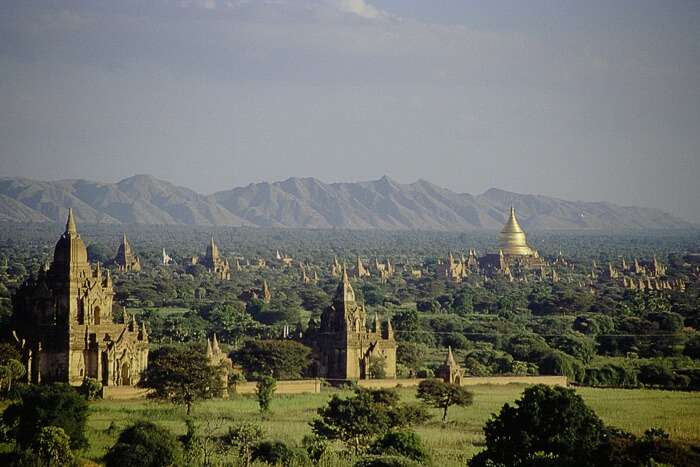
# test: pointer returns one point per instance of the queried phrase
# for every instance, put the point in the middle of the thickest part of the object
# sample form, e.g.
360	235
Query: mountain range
310	203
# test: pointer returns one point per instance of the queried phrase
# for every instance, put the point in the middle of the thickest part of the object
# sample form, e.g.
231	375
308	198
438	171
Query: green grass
452	443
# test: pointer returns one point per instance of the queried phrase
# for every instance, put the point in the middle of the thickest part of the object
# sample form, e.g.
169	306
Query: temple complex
450	371
167	260
213	261
217	358
63	321
346	346
360	269
126	260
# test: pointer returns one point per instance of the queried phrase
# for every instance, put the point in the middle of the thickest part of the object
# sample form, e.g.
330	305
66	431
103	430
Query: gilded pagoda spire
513	240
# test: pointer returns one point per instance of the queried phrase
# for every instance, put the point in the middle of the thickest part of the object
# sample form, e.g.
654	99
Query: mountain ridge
310	203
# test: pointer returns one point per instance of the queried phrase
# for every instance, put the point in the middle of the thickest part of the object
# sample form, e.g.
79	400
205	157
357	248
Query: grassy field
451	444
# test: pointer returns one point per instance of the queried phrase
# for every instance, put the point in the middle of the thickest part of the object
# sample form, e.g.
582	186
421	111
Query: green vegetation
264	391
442	395
453	443
181	374
145	444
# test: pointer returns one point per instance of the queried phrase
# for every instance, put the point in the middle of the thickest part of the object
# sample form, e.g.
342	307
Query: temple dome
70	247
513	240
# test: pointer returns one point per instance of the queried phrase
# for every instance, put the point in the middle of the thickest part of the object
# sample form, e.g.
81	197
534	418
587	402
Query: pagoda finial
70	223
215	345
450	360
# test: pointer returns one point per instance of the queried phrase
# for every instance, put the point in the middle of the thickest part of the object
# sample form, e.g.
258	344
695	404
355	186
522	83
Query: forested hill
310	203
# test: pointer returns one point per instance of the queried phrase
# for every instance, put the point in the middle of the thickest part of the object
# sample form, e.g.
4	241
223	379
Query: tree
11	371
57	405
99	253
242	437
377	366
282	359
181	374
559	363
411	354
264	391
147	445
11	367
358	419
546	423
442	395
52	446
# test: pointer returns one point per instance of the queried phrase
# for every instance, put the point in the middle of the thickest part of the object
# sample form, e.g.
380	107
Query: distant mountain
307	202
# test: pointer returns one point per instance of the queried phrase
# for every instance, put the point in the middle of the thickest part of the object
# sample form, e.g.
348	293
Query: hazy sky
592	100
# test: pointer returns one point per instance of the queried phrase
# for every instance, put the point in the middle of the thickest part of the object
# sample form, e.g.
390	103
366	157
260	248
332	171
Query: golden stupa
513	241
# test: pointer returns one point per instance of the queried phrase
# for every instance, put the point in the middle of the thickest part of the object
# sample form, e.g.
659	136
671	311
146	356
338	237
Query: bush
277	453
52	446
559	363
57	405
550	420
401	443
315	447
91	389
264	391
243	437
655	375
146	445
610	375
385	461
359	419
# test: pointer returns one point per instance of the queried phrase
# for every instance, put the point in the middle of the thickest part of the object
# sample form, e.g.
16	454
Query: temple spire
345	292
70	224
450	360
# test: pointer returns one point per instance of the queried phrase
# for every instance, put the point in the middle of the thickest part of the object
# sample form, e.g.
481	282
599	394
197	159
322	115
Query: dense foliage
359	419
181	374
145	444
58	405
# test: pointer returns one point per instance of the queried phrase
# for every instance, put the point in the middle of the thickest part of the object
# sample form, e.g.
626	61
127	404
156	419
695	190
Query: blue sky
592	100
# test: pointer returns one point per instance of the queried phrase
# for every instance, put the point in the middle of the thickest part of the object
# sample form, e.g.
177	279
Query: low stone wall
468	381
302	386
500	380
389	383
313	386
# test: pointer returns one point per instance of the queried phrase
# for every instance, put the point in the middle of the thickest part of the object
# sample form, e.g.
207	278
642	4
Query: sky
586	100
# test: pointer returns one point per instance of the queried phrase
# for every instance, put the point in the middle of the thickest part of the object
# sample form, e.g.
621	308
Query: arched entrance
126	374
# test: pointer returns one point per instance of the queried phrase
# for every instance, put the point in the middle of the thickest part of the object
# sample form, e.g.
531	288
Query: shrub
550	420
146	445
52	446
242	437
401	443
91	389
264	391
559	363
385	461
610	375
277	453
315	447
358	419
57	405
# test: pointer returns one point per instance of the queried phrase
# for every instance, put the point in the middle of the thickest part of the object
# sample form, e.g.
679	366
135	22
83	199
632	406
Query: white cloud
360	8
